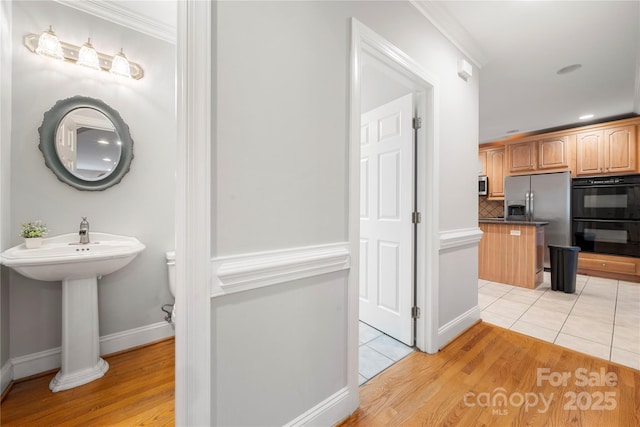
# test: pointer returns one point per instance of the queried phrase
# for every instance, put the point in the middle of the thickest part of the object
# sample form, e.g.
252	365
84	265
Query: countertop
504	221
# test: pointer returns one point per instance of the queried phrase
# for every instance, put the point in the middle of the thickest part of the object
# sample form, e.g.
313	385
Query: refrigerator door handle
526	205
531	211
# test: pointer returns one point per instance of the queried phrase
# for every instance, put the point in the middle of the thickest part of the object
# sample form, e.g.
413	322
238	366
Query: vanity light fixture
48	44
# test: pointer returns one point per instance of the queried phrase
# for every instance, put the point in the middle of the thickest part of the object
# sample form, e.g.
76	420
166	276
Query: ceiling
520	46
516	48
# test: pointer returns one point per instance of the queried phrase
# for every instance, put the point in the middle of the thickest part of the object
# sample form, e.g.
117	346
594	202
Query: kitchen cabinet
606	151
538	155
482	157
521	156
553	153
610	266
494	159
512	253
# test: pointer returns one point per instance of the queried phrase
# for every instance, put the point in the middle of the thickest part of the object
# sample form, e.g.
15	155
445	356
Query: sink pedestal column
81	361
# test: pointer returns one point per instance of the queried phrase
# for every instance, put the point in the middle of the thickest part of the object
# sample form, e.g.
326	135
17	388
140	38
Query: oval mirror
85	143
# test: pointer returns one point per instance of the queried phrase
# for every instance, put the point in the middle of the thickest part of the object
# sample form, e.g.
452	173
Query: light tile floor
602	318
377	352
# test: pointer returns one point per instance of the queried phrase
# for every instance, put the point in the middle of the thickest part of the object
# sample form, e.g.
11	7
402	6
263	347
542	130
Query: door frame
365	42
196	143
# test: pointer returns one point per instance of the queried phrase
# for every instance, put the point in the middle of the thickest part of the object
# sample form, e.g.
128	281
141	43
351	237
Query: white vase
33	242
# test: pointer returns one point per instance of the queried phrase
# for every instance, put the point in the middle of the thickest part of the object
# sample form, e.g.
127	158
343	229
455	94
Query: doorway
387	235
372	54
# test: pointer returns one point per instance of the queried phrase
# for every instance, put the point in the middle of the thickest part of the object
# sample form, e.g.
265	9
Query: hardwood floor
462	384
137	390
459	386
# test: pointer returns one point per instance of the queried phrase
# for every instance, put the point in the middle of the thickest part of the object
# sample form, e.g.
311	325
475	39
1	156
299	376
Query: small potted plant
33	232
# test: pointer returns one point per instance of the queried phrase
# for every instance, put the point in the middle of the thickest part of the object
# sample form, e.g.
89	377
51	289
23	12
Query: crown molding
452	30
120	15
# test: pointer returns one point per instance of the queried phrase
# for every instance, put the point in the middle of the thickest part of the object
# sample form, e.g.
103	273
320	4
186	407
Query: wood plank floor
420	390
138	390
458	386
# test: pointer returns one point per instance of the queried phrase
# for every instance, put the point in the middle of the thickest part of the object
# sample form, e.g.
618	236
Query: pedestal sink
78	266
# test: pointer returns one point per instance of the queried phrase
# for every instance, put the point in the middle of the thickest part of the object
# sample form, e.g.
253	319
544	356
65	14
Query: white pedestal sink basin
78	266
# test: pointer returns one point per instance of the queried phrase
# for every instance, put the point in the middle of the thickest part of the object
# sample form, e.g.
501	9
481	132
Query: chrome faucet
84	231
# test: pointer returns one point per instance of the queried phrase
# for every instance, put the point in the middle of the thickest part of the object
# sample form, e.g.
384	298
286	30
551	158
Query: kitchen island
511	252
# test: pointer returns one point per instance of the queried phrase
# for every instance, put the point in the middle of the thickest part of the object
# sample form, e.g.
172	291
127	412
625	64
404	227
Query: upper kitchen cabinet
522	156
482	168
494	161
606	151
538	155
553	153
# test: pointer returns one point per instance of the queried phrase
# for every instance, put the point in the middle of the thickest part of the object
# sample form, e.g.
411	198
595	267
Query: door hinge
415	312
417	122
416	218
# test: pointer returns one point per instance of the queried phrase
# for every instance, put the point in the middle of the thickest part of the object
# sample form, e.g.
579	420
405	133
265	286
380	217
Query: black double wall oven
606	214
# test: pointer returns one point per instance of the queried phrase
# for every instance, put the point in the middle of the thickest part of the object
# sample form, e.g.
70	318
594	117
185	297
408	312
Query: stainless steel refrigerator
541	197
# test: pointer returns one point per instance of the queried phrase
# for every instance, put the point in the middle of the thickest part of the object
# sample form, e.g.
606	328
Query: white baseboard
6	376
452	329
31	364
328	412
135	337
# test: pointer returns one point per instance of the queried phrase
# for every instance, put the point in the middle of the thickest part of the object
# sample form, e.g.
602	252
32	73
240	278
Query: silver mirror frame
52	119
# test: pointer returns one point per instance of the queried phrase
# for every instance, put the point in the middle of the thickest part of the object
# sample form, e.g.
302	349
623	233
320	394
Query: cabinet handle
604	265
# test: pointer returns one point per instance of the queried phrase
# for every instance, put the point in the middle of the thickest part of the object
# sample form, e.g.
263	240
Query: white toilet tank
171	266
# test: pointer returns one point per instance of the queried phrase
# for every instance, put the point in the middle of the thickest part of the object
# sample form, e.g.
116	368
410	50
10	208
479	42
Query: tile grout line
615	310
528	308
572	307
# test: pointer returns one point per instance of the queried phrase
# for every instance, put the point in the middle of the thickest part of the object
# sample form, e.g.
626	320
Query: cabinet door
495	168
482	157
553	153
620	149
589	153
521	157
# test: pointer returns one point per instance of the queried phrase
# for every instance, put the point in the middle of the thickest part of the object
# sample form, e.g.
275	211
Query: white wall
142	205
5	168
281	175
378	88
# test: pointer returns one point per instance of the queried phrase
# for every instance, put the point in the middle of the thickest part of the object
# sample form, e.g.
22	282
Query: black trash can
564	267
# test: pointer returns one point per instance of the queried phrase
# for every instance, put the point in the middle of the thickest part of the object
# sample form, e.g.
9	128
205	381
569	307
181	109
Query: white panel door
386	230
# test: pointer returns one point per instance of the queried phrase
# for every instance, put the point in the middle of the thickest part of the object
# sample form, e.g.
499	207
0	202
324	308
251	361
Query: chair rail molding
460	238
244	272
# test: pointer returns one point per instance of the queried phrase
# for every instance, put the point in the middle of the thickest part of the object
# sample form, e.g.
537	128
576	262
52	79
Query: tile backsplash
490	208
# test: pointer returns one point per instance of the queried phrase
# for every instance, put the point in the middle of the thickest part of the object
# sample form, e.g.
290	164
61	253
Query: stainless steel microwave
483	185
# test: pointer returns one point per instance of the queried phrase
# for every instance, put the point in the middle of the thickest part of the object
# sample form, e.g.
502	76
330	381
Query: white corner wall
141	205
280	353
5	169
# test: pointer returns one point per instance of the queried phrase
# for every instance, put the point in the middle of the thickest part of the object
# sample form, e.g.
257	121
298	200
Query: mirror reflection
88	144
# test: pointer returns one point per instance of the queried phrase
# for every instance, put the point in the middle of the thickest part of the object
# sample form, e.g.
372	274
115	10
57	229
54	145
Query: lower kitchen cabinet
512	253
610	266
